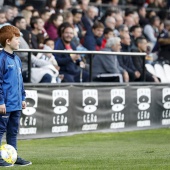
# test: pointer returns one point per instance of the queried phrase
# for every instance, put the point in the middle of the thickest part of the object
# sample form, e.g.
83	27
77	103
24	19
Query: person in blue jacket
12	93
71	65
93	37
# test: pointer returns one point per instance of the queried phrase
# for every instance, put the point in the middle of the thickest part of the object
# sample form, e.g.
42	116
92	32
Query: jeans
9	123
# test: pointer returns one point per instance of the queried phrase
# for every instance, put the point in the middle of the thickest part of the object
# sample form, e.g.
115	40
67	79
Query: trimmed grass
138	150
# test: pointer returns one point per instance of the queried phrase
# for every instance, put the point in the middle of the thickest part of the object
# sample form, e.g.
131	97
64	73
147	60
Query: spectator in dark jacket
135	32
93	37
141	44
126	61
70	64
163	43
77	16
89	17
142	16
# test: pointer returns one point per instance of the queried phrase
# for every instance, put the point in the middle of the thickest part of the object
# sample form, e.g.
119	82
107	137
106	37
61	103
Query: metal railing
124	7
90	53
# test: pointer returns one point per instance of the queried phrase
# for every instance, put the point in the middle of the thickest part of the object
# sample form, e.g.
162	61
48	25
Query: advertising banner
66	109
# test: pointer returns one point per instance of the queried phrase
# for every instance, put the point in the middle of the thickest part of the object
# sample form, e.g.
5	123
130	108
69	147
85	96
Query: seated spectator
109	63
49	45
41	71
93	37
70	64
51	5
3	20
15	11
88	18
126	61
28	6
27	15
35	13
63	5
141	44
20	22
123	29
8	13
163	43
45	14
68	17
143	20
108	33
129	21
151	30
119	20
110	22
157	4
77	16
27	37
52	25
38	32
110	12
135	32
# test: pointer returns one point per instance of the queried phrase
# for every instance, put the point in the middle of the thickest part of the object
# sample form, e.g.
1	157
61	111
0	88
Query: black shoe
22	162
5	164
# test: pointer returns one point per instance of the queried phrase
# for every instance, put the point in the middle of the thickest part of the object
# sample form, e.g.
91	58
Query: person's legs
46	78
12	128
107	79
11	135
4	118
3	124
68	78
132	76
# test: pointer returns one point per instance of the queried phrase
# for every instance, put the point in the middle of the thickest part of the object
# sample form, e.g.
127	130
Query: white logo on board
31	101
143	98
166	98
90	100
118	99
60	101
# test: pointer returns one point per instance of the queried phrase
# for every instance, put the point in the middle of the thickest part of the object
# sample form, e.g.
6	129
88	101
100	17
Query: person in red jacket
108	33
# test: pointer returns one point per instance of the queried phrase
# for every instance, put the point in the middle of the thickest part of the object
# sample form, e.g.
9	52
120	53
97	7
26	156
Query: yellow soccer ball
8	153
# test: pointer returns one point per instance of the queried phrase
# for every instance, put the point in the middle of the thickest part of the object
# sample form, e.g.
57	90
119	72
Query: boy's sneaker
22	162
5	164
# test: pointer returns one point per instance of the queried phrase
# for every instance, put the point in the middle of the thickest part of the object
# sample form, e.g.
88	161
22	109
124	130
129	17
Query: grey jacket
106	64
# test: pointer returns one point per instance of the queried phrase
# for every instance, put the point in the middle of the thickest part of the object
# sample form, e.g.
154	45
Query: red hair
8	32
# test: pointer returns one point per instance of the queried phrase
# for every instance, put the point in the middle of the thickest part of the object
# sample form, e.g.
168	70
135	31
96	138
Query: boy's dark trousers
9	123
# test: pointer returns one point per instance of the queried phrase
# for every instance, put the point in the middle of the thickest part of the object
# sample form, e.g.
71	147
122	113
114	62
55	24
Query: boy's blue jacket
12	91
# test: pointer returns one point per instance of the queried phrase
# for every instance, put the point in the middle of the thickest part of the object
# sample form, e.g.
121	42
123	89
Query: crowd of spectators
96	25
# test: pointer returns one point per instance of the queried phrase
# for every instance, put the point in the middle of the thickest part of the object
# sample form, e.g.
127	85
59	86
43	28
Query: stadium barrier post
90	67
29	67
144	75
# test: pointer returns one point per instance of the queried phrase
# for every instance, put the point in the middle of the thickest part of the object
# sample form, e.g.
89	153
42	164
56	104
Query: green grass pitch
138	150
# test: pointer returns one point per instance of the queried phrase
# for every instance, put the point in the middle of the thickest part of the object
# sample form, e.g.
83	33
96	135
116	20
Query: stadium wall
65	109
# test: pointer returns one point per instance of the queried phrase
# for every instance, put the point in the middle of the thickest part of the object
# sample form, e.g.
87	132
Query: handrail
79	52
107	5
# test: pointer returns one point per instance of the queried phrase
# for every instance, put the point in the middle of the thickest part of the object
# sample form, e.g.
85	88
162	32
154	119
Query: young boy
12	94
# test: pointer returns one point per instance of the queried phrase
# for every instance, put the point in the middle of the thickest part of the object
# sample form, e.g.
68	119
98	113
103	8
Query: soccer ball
8	153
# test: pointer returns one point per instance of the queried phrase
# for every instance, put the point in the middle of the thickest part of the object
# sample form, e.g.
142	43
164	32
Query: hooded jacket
12	91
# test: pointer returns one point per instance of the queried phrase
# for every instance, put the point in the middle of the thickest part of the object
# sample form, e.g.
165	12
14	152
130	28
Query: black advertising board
65	109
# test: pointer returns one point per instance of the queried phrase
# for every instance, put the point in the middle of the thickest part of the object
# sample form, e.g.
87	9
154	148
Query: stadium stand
133	15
